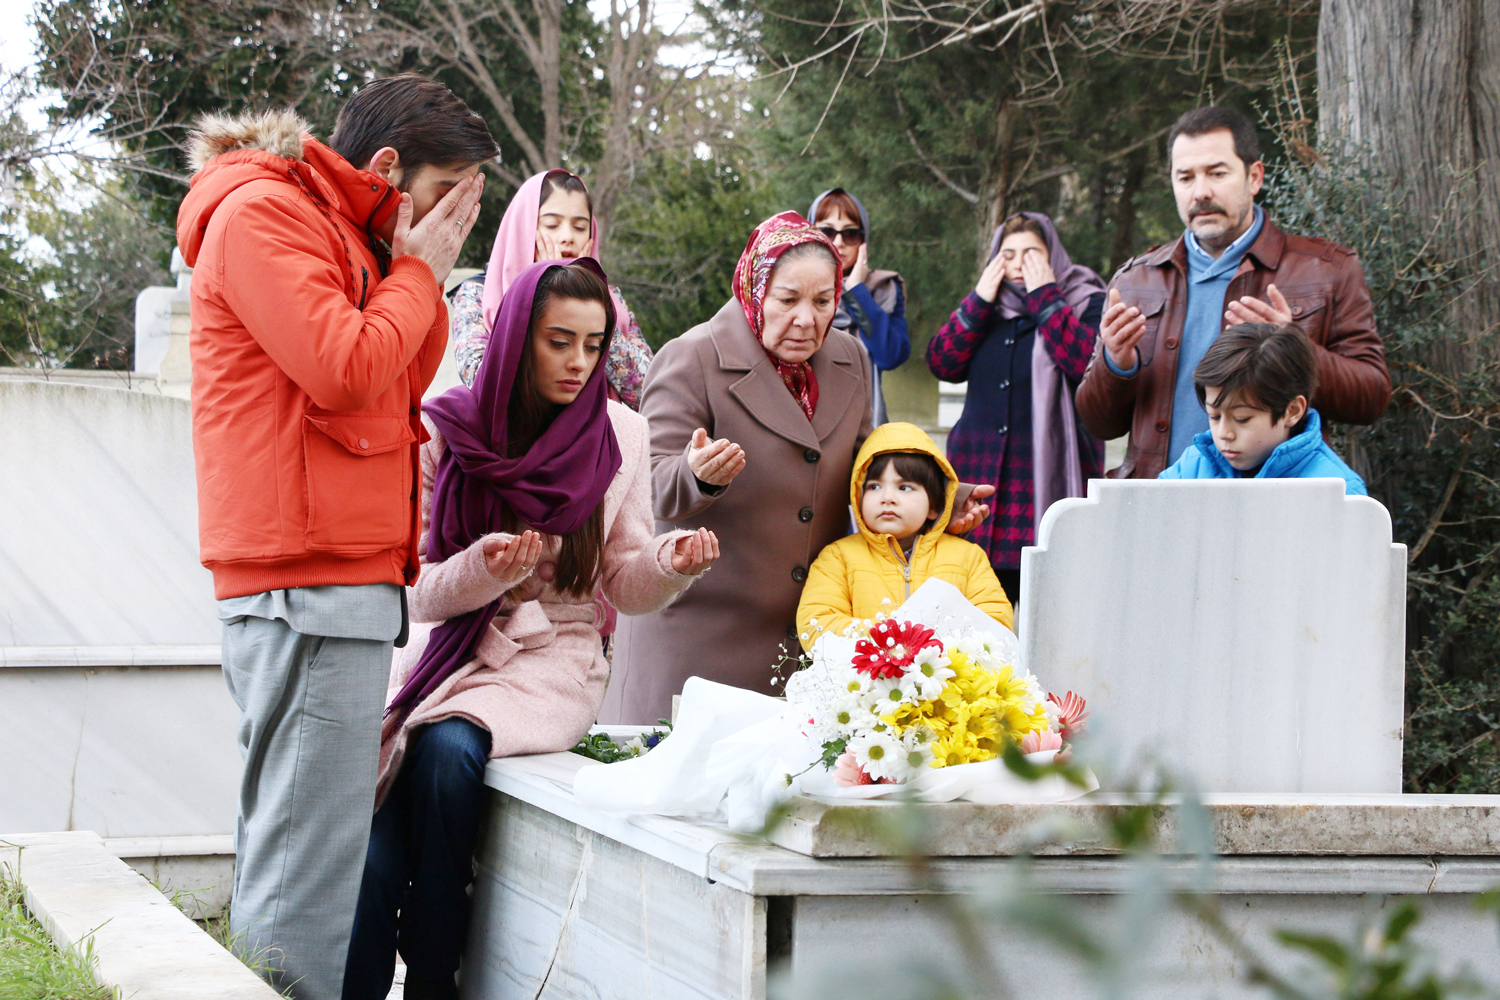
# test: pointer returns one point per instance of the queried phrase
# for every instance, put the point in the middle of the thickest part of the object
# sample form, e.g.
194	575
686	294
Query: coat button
364	442
811	455
414	411
791	631
805	514
1296	310
1161	426
1004	383
1008	341
1003	429
799	573
1171	343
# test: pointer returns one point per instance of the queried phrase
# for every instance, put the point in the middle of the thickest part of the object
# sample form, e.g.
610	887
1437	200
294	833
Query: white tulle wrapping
733	755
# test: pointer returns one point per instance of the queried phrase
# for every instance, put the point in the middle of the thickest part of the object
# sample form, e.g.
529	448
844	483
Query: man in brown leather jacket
1233	265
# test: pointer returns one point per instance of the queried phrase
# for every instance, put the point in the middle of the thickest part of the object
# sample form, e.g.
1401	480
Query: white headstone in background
1247	634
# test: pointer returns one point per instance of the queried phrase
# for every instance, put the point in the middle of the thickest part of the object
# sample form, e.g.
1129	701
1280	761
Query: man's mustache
1204	207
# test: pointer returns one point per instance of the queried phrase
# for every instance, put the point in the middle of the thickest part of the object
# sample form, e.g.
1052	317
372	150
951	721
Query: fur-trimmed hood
279	133
270	153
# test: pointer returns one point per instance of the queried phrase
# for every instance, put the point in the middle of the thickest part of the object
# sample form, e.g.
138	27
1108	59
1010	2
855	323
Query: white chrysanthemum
879	753
914	756
930	672
891	692
850	716
1034	695
1054	716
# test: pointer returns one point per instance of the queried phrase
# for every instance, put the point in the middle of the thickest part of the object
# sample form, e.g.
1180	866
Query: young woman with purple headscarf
536	499
1022	340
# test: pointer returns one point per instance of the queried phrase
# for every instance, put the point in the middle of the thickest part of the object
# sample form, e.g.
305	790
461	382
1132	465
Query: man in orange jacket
318	323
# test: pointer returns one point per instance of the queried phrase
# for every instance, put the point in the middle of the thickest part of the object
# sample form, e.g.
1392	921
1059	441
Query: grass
216	926
31	967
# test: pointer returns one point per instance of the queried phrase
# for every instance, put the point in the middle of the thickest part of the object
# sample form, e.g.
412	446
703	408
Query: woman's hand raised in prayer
861	269
1036	270
990	278
714	462
511	558
692	554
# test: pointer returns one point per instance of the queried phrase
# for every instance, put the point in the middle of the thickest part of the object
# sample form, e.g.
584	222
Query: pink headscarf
515	246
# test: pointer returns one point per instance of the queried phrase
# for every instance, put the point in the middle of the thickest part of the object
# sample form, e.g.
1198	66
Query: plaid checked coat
991	443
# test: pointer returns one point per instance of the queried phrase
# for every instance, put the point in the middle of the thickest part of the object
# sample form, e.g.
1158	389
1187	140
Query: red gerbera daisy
891	647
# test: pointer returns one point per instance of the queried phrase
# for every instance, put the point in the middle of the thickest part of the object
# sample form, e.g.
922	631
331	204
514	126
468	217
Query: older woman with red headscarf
536	501
755	419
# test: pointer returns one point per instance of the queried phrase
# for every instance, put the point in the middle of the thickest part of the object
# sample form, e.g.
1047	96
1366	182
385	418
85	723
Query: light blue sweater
1302	456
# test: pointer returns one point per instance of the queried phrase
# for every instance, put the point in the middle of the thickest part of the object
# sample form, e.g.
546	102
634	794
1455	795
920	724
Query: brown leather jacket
1322	282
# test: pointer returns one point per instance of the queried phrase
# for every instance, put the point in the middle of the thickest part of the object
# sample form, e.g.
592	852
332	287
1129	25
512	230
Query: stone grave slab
1247	635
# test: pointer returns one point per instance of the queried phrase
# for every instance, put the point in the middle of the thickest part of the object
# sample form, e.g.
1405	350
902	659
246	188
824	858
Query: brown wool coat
791	500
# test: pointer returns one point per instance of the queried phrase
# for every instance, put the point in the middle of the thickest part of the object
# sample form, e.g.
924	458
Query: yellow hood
899	437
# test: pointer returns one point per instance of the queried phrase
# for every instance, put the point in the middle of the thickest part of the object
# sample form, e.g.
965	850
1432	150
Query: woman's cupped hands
694	553
511	558
714	462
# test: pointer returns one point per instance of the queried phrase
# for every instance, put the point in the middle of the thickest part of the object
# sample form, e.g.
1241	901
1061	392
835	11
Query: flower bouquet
901	702
924	701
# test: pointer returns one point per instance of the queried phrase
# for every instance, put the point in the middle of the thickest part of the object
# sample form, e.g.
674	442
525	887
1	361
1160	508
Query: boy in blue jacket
1255	381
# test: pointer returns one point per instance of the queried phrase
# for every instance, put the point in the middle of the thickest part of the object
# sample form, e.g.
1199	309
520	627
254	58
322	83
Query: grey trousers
309	732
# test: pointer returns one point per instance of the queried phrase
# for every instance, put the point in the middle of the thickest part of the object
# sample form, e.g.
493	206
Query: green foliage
1085	148
1433	460
679	231
68	288
31	967
603	748
145	69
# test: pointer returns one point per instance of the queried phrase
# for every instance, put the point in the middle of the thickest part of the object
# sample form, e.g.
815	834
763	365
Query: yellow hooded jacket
853	576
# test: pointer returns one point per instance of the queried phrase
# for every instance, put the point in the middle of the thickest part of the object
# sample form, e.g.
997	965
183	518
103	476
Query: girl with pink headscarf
551	217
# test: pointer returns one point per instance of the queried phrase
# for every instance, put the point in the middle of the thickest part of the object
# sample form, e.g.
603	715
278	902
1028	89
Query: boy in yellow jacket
902	494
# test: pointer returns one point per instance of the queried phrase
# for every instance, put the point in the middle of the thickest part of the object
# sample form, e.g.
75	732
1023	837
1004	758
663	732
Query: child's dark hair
1264	365
914	467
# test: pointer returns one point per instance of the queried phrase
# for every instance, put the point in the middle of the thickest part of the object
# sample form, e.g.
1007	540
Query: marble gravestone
1248	635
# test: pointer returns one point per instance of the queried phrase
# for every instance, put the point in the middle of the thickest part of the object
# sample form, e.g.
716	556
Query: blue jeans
419	866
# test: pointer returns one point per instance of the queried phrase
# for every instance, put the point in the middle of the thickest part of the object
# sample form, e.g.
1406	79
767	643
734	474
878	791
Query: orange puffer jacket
309	363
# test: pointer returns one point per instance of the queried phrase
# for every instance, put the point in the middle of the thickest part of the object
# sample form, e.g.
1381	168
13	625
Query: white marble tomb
1248	635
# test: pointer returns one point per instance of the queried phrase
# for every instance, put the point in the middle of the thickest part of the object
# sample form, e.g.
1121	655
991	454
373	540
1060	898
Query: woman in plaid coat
1022	340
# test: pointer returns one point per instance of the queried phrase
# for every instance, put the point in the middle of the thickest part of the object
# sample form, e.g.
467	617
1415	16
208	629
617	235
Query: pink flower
847	772
1038	741
891	648
1072	713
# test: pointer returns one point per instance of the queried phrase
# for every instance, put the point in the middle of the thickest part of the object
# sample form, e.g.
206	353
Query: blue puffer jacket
1305	456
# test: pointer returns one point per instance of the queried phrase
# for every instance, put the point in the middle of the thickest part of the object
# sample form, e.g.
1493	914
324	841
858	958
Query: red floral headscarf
752	274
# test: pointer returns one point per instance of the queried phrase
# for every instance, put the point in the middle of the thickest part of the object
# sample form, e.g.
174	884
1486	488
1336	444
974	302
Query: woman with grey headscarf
1022	340
873	302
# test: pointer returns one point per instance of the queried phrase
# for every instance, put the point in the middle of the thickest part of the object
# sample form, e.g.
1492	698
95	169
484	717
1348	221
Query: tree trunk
630	63
1415	85
1001	172
548	67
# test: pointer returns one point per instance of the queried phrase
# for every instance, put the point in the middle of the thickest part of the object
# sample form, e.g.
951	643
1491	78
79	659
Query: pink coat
540	673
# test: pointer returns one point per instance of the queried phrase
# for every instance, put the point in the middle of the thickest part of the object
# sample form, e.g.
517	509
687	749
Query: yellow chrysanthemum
977	711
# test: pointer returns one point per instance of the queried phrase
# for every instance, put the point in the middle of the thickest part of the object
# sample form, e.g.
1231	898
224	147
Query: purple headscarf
554	487
1056	463
1078	283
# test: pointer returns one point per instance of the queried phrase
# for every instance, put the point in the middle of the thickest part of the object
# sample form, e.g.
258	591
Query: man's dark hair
1258	364
423	121
1201	121
914	467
